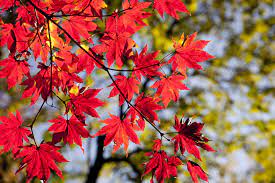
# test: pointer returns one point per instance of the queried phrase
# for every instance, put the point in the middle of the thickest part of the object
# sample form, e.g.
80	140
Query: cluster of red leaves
188	137
46	30
162	166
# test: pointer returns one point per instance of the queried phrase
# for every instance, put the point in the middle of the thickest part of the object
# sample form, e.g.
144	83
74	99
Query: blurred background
233	96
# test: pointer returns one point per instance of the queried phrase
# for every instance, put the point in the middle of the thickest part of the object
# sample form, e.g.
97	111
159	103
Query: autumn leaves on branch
59	35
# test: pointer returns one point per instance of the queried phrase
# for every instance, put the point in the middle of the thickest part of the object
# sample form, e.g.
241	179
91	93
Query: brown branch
34	120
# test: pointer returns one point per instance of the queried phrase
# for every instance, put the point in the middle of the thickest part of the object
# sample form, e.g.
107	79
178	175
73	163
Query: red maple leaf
116	42
189	136
14	70
5	33
12	132
70	130
157	145
133	14
161	166
146	64
171	7
168	88
15	36
189	53
40	83
79	27
119	131
97	6
128	86
147	107
40	160
196	171
84	102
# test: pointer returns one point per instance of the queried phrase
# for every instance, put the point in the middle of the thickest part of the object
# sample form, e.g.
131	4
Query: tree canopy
233	95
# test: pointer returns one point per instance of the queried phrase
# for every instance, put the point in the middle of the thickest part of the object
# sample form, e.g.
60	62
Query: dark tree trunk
96	167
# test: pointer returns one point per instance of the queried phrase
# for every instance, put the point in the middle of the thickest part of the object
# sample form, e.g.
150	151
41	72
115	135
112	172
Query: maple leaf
116	42
70	130
79	27
119	131
171	7
14	36
196	171
189	136
161	166
147	106
40	160
12	132
133	14
157	145
128	86
13	70
40	83
189	53
6	34
84	102
146	64
173	162
168	88
97	6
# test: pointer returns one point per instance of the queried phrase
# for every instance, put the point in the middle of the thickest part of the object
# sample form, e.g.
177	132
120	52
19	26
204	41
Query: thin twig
35	118
134	107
